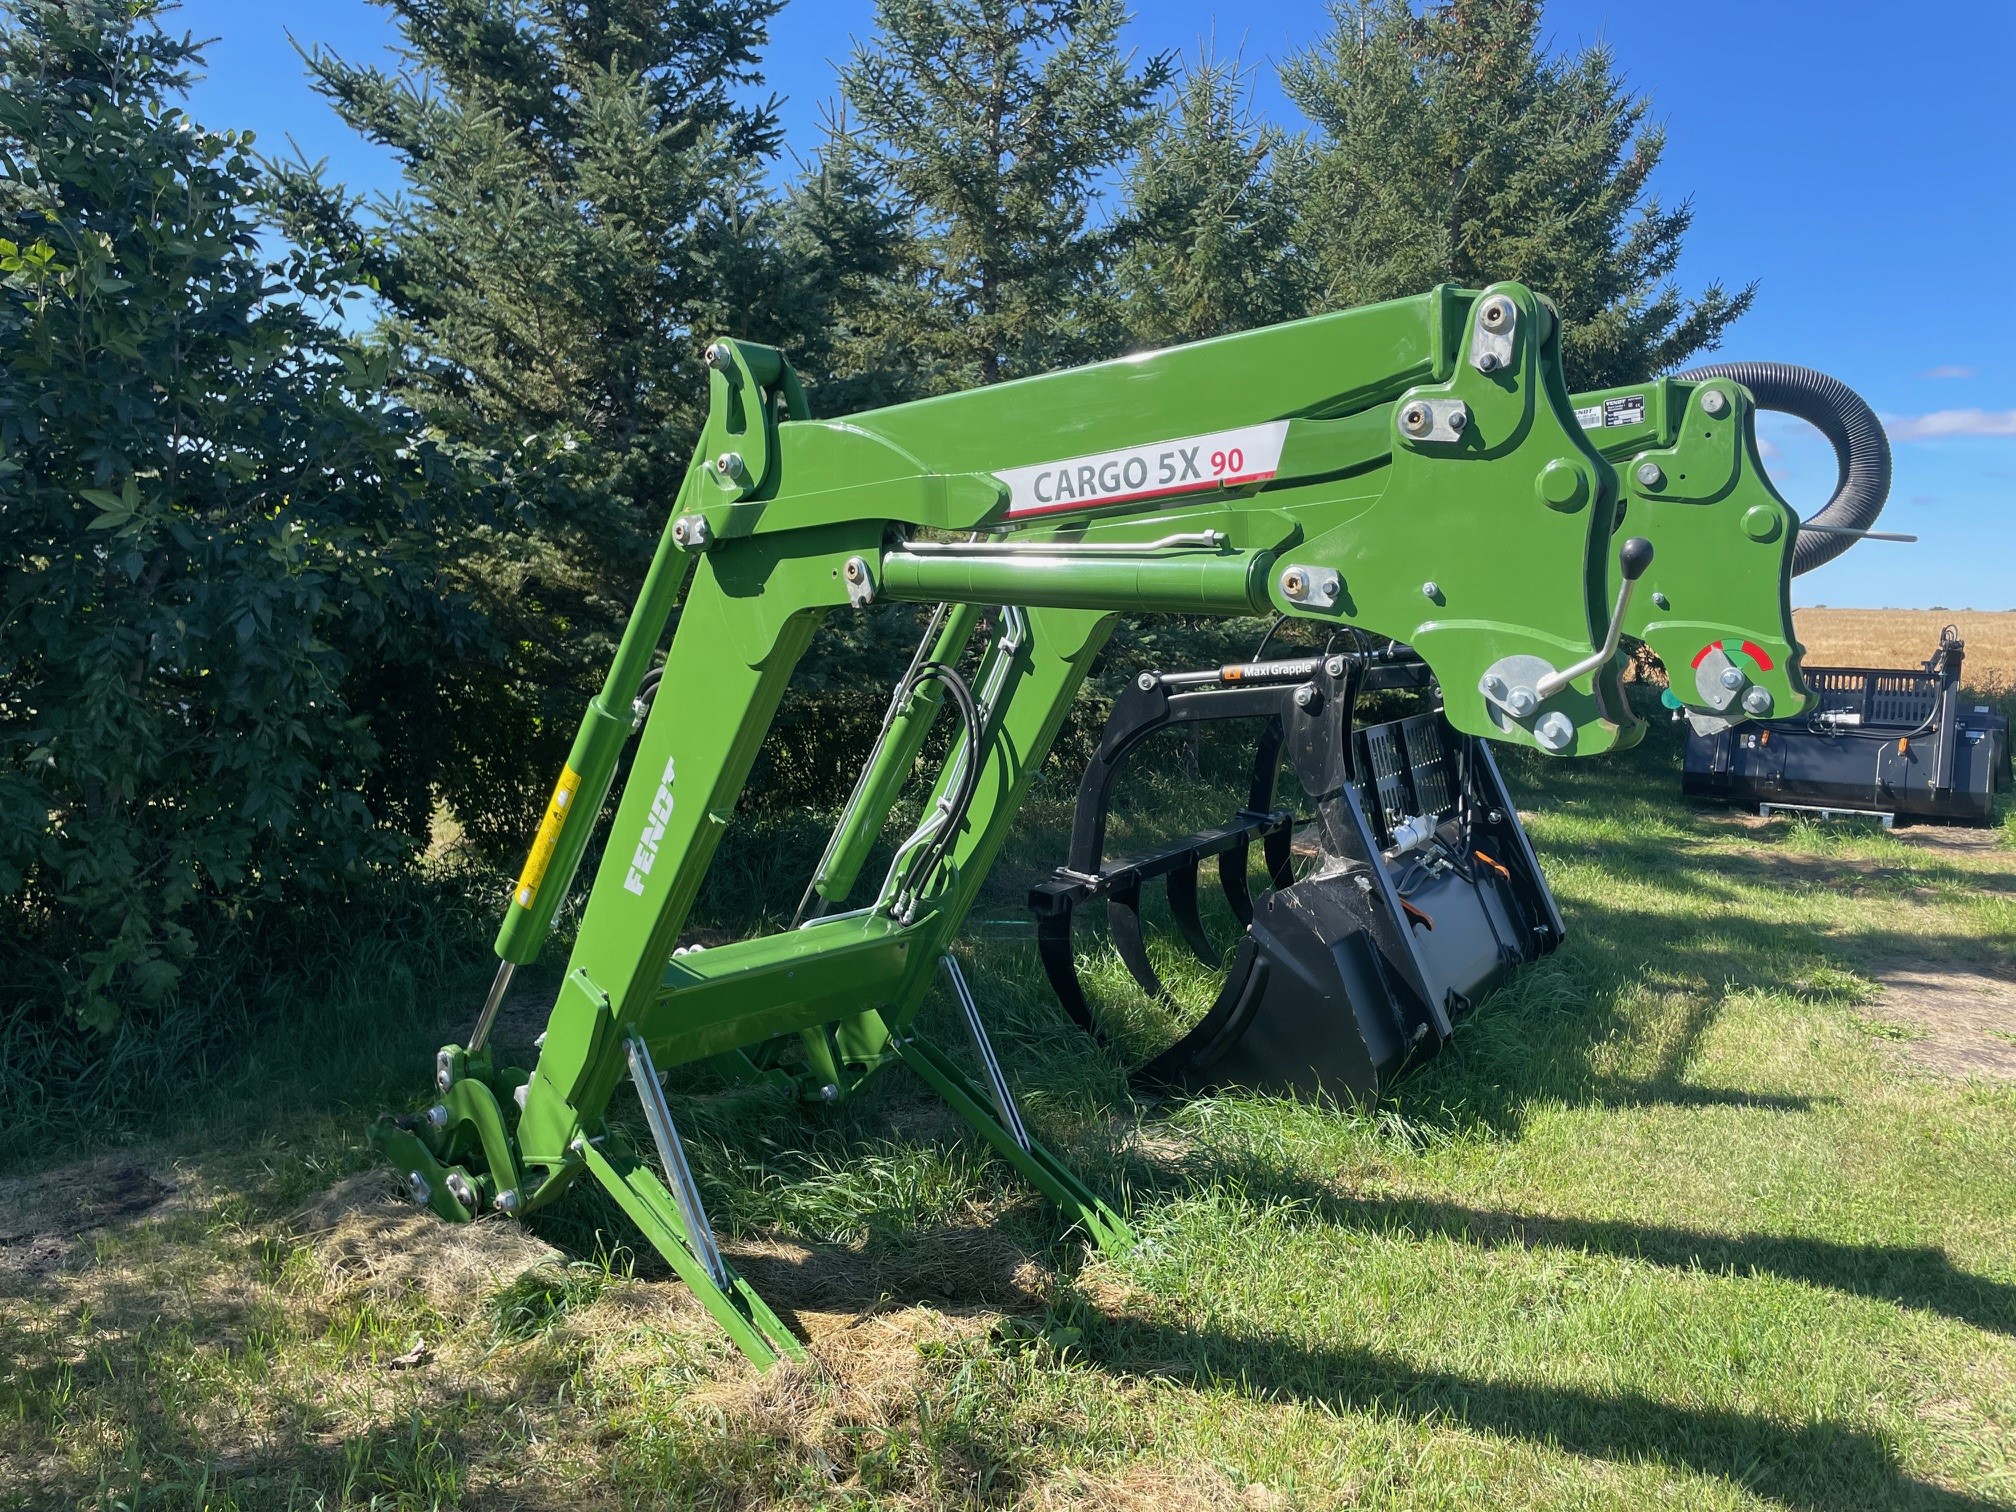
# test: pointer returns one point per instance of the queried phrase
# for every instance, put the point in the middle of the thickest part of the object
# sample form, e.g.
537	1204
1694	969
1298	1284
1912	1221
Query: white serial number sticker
1250	454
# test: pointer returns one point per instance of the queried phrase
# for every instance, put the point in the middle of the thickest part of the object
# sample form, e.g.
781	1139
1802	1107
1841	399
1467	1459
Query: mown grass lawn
1679	1222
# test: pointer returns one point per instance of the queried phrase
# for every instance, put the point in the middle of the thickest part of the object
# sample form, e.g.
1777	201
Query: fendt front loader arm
1413	470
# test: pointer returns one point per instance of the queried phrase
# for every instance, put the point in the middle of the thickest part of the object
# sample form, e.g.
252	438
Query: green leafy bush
219	550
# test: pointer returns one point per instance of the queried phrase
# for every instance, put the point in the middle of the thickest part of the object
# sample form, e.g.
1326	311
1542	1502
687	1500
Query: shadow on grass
1823	1466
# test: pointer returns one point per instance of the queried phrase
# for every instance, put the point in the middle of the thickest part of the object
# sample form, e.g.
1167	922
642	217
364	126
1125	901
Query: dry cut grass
1905	637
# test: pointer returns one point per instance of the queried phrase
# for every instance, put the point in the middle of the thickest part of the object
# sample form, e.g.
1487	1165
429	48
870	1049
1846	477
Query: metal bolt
1145	682
438	1115
729	464
1487	362
691	530
1415	420
829	1093
461	1191
1713	402
1555	731
1496	816
507	1200
1650	475
416	1185
1522	701
1458	418
1732	678
718	356
1305	696
1334	666
1495	312
1660	601
1294	583
1493	686
1757	701
1431	590
444	1070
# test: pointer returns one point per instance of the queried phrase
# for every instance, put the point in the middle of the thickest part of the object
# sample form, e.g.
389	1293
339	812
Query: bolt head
1458	418
718	356
829	1093
1493	686
1757	701
1145	682
1713	402
418	1189
1414	420
1294	583
1304	696
507	1200
1334	666
460	1190
1487	362
444	1070
855	570
1555	732
1522	701
1660	601
1649	474
729	464
1431	590
1732	678
1495	313
438	1115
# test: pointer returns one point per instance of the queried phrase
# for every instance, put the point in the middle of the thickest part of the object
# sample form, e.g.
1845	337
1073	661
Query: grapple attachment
1416	892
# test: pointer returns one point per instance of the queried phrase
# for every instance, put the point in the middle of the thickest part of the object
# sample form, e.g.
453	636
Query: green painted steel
1414	469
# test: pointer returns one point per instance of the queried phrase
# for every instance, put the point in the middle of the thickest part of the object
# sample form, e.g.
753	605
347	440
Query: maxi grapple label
1222	459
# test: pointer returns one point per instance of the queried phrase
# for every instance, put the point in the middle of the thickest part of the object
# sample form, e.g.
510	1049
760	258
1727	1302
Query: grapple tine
1183	907
1123	918
1232	880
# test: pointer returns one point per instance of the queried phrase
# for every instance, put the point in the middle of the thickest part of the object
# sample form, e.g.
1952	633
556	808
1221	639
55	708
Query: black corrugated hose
1861	450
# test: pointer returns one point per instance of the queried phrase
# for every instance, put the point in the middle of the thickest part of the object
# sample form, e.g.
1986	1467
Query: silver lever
672	1155
1002	1099
499	985
1632	559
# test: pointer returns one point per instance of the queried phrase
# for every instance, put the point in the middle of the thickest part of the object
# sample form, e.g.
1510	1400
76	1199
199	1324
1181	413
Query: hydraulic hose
1861	450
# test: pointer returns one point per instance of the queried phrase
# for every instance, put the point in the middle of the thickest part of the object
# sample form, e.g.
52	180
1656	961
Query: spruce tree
583	207
993	126
1454	147
1210	199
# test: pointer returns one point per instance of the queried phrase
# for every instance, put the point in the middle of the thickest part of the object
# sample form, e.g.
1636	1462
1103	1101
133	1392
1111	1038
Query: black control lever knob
1633	557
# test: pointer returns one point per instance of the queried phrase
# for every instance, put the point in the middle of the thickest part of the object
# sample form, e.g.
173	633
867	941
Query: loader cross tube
1368	471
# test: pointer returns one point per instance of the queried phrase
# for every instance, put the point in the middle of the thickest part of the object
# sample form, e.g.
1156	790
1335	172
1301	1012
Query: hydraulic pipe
1189	583
888	764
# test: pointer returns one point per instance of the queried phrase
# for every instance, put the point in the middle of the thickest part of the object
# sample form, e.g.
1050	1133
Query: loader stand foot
746	1317
1045	1171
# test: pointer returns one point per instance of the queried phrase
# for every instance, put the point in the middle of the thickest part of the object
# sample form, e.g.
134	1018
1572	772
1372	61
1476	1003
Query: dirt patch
369	1237
829	1289
1964	1021
41	1217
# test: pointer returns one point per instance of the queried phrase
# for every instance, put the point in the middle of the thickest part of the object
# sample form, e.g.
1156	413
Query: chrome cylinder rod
672	1155
487	1019
1010	1117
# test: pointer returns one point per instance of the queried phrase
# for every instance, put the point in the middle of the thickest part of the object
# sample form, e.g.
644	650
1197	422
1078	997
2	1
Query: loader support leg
1045	1171
745	1316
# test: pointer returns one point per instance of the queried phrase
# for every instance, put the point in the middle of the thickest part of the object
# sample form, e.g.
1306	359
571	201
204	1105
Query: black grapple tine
1123	917
1060	964
1232	880
1183	908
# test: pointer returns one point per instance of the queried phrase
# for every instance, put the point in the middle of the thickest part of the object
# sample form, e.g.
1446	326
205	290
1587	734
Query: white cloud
1953	422
1766	450
1948	370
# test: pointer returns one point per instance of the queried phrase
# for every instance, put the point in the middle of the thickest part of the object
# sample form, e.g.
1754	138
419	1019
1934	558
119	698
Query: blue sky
1855	159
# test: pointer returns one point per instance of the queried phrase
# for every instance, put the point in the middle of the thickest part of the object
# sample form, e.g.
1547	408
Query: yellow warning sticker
548	837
